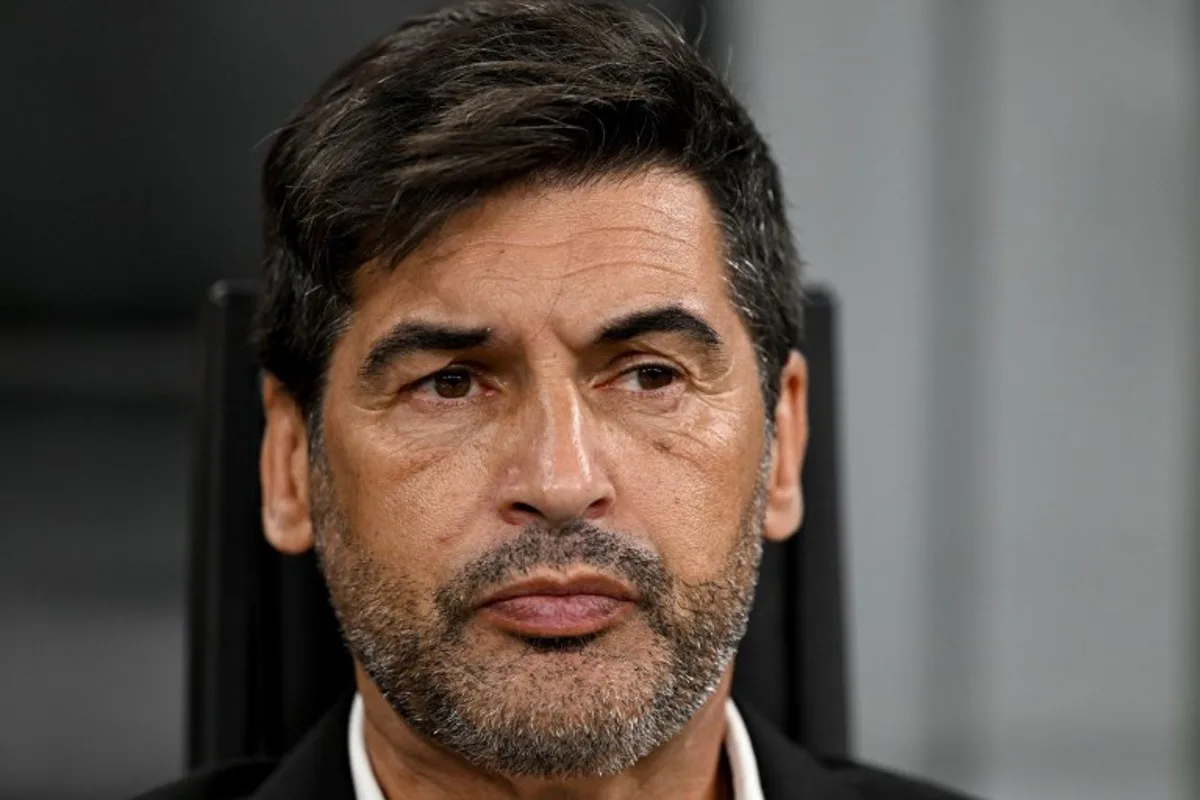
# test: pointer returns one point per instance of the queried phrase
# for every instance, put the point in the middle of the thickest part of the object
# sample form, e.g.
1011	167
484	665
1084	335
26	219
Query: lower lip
557	615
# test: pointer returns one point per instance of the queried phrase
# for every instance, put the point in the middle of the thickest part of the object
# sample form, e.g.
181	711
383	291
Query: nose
555	475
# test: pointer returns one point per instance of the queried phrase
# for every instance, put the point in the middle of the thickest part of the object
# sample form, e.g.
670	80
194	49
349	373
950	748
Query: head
532	390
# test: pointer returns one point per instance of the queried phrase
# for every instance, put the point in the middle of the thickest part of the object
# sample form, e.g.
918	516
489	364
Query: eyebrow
666	319
408	338
417	337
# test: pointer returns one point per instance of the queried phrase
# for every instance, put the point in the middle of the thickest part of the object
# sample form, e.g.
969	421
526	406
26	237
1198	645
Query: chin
618	670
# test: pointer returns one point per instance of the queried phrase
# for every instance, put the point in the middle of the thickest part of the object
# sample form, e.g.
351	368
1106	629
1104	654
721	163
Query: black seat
265	658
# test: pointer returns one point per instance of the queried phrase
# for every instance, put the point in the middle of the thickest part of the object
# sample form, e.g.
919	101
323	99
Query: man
532	394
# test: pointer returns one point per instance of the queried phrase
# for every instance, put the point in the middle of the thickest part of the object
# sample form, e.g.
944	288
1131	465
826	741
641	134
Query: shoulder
318	767
872	783
234	781
787	771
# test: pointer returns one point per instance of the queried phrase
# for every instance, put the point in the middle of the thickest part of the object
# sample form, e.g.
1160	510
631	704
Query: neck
691	766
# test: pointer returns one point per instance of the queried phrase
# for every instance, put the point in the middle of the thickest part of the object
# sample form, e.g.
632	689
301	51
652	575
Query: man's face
538	490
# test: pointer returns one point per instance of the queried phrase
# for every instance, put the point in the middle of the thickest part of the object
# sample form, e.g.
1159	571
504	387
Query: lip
558	607
563	586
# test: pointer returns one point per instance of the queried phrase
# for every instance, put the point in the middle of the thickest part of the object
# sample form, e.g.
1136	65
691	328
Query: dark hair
460	103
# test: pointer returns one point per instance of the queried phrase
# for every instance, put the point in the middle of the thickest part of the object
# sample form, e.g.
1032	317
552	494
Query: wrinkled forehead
577	253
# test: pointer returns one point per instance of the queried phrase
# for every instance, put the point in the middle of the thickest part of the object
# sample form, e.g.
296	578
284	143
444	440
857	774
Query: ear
785	497
283	470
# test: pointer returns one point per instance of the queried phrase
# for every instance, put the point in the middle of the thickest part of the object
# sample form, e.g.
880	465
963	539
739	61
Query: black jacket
319	769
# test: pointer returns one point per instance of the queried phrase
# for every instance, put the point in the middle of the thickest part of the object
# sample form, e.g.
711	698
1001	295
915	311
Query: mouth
559	607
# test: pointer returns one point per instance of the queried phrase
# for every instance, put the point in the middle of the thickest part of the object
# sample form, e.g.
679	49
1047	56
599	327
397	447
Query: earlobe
283	470
785	497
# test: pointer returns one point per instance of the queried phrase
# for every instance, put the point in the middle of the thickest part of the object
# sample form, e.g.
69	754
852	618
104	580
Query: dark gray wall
132	135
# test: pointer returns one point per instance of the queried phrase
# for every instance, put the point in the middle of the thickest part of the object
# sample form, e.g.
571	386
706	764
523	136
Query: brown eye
452	384
653	376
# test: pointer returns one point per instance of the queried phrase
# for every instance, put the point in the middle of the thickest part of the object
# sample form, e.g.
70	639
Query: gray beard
523	715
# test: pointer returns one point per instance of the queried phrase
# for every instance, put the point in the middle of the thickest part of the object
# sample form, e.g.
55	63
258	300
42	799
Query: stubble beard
552	708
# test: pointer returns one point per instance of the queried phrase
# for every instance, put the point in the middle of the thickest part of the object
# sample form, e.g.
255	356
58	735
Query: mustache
538	545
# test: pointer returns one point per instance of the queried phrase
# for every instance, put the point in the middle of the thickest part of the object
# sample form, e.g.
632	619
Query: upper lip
562	586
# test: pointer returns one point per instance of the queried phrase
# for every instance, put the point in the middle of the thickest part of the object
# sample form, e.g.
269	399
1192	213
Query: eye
454	383
649	378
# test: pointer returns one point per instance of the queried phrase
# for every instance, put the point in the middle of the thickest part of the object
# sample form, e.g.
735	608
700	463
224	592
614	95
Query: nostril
525	508
520	513
597	509
553	508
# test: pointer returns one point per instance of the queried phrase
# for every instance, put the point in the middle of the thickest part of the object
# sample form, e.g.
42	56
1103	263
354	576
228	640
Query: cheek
414	501
688	485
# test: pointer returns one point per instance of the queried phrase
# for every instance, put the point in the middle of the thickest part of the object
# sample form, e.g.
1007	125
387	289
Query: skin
657	436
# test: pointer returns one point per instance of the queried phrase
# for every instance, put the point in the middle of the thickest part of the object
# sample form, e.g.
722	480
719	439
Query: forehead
569	252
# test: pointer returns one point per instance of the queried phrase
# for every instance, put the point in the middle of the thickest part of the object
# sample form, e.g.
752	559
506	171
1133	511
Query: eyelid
624	365
451	367
637	360
677	384
666	365
425	383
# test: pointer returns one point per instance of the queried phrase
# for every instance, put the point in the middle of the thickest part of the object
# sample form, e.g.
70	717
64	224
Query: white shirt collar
366	787
742	764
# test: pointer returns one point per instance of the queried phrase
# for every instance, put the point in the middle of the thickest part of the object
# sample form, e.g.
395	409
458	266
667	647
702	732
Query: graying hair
459	104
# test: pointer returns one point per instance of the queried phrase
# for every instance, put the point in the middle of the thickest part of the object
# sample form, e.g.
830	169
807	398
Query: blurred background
1005	194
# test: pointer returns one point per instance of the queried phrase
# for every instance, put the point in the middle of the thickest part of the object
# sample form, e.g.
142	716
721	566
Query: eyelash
473	372
675	372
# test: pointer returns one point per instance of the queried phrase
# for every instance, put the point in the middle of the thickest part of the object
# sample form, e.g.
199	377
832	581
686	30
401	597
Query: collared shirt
742	764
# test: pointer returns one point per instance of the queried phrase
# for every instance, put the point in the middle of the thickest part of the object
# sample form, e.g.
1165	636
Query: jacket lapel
318	767
787	772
